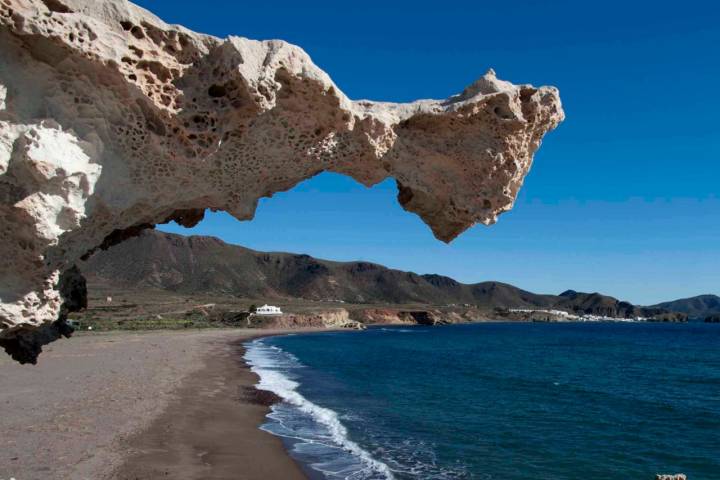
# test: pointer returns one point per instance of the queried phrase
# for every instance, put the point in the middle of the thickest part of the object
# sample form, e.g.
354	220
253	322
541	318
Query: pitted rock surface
112	121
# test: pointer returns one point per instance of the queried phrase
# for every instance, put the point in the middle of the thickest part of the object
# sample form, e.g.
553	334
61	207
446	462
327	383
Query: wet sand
139	406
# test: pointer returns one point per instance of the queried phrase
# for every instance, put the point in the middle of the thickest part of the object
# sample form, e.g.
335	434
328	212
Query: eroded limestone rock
112	121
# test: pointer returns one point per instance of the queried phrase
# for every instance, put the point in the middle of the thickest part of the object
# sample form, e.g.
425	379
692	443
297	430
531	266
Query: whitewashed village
562	315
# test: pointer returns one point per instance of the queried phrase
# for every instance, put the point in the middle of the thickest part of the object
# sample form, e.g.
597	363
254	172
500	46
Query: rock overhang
112	121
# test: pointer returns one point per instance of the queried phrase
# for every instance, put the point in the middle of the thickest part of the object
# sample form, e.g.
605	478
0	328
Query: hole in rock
192	261
196	271
137	32
56	6
217	91
503	112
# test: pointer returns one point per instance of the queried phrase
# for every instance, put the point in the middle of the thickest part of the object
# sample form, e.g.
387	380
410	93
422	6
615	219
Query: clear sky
623	196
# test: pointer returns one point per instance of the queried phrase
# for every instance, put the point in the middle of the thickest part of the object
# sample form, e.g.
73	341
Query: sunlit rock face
112	121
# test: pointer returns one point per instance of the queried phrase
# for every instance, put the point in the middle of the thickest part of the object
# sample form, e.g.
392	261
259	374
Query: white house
268	310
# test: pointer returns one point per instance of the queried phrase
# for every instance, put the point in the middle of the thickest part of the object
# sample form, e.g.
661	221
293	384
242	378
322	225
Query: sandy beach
139	406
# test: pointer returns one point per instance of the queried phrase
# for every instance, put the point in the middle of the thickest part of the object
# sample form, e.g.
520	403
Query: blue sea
560	401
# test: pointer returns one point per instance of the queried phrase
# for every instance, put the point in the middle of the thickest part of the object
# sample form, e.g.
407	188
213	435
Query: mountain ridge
699	306
205	264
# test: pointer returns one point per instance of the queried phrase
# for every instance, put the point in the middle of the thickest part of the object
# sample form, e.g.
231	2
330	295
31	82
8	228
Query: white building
268	310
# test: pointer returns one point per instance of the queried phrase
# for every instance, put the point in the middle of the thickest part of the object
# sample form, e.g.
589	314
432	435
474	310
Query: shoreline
212	430
145	405
301	422
141	405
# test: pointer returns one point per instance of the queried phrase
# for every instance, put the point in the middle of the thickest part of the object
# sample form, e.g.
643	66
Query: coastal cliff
331	319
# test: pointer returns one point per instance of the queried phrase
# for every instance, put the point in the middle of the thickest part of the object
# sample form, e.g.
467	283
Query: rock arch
112	121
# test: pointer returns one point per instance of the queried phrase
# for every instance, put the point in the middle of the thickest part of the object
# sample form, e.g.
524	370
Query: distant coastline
161	280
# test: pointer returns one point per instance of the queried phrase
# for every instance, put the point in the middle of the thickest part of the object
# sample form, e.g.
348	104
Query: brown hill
700	306
208	265
597	304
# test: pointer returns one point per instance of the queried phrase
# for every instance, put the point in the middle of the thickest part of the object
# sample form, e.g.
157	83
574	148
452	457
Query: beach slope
139	405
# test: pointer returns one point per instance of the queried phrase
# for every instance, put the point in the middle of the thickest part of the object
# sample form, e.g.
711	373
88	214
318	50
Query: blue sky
623	196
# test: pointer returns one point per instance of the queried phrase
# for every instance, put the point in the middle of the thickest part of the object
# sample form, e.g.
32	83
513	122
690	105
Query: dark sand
177	405
211	430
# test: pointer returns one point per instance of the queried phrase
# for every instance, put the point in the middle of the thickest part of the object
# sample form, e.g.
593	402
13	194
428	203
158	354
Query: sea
510	401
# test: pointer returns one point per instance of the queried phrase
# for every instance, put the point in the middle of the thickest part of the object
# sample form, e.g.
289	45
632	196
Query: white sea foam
273	365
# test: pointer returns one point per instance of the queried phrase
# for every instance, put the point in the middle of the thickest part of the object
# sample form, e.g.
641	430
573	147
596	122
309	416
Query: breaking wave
316	435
